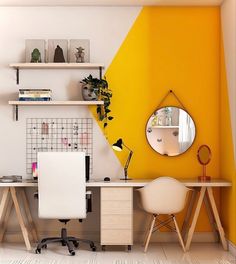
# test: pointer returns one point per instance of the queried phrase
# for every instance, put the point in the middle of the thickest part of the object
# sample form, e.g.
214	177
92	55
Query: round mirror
170	131
204	157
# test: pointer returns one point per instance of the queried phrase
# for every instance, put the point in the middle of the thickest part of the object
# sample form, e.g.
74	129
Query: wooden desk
204	189
117	209
11	194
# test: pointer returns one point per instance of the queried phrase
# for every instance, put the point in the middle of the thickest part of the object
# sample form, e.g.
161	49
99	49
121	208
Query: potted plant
97	89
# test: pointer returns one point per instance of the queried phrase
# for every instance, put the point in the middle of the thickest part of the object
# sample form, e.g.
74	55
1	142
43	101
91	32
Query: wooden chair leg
147	231
150	233
179	234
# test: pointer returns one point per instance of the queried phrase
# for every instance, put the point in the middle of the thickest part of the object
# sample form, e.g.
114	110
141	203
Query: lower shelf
16	104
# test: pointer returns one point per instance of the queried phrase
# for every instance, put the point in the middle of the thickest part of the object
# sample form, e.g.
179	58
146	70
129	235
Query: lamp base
128	179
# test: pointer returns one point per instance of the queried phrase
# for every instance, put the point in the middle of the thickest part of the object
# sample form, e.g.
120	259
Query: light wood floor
158	253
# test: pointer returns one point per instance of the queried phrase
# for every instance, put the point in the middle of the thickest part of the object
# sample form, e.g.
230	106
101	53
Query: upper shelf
56	65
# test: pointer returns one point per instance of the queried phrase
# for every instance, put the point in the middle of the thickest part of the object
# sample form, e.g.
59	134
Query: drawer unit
116	216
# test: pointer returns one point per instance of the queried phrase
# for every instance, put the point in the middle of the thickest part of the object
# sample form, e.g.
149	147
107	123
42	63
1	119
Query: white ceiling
110	2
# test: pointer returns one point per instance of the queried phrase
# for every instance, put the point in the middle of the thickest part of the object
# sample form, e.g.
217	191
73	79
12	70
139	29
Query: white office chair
62	193
164	195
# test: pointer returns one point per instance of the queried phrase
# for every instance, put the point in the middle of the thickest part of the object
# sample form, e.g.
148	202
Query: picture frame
35	50
58	50
79	51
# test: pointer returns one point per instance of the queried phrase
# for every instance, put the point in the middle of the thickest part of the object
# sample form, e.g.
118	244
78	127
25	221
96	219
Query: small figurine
58	55
36	56
79	55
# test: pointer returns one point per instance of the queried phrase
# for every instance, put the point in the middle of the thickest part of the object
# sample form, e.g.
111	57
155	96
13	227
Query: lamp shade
118	145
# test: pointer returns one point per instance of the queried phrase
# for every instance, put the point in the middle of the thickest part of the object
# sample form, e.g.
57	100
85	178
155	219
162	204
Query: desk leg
3	206
195	217
211	217
192	201
5	220
29	216
217	218
20	218
3	202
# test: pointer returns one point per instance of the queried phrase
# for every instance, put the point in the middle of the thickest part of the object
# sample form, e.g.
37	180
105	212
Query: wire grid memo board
58	134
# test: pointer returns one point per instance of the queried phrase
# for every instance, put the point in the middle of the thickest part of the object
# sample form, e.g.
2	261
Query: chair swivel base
70	242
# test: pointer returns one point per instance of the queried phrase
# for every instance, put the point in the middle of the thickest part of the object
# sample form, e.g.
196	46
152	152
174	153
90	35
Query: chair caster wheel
45	246
129	247
103	248
72	252
38	251
76	244
93	248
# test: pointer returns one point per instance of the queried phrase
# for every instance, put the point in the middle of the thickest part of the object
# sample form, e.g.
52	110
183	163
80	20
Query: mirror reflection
170	131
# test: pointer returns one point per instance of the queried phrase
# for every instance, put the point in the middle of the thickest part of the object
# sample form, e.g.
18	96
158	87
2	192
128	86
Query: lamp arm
127	163
127	147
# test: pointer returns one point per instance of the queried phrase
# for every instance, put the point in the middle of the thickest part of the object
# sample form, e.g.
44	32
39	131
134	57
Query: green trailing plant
101	88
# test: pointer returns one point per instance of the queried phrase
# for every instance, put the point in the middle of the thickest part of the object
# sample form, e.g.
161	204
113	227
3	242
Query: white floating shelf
165	127
55	103
16	104
56	65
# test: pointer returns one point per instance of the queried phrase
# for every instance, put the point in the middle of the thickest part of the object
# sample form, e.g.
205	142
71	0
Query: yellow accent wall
168	48
227	159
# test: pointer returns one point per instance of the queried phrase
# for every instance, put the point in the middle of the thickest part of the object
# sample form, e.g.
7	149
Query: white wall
228	18
106	28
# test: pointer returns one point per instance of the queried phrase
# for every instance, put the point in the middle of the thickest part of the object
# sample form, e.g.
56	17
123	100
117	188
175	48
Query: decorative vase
89	93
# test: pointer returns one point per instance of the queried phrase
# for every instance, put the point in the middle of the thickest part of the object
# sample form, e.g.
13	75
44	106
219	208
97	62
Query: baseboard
232	248
138	236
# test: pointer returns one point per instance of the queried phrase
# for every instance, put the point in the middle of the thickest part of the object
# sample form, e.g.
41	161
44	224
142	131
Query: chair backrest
61	185
165	195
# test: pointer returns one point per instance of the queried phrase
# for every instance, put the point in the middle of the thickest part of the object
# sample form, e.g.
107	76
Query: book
35	99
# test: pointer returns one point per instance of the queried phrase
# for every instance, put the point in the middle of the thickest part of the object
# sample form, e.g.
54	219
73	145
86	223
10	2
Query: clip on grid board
58	134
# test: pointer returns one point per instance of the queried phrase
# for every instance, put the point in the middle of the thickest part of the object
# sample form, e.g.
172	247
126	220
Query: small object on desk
34	170
107	179
204	157
11	178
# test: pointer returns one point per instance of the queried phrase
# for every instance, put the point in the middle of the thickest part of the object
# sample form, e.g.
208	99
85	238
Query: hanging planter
97	89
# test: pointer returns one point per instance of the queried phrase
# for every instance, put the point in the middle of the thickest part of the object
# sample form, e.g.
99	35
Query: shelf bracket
16	112
17	75
100	72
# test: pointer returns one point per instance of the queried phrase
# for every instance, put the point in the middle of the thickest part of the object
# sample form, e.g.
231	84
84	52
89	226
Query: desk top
130	183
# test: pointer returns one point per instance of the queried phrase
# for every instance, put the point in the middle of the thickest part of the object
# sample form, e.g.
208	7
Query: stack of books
35	95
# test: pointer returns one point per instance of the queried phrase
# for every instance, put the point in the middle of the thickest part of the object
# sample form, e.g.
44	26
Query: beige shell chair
163	196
